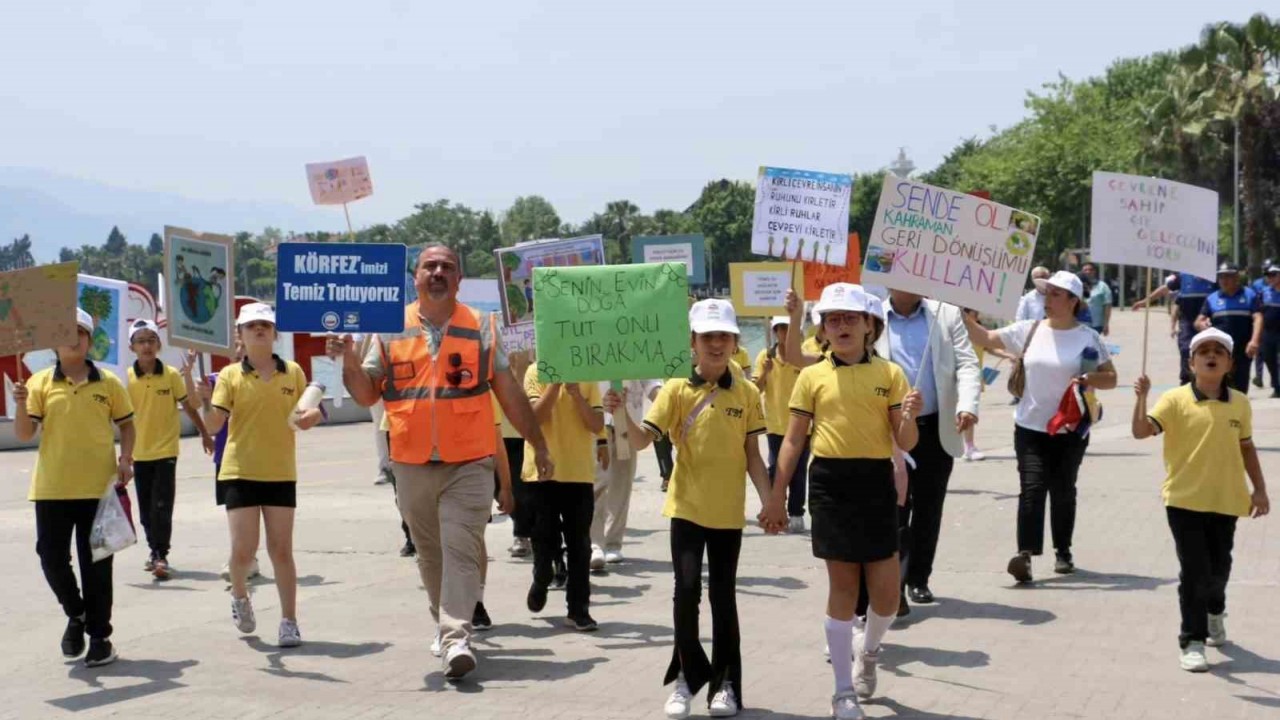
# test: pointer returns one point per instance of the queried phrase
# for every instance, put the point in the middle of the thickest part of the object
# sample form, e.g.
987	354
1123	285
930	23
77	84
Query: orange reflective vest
440	405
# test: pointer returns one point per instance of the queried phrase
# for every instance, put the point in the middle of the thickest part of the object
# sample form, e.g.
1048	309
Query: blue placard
688	249
347	287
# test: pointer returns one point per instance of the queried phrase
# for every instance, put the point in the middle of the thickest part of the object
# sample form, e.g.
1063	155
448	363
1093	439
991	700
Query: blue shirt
1233	314
1192	292
909	347
1270	310
1259	285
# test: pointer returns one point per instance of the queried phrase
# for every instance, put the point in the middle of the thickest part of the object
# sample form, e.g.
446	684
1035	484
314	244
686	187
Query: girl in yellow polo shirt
1208	451
859	407
258	465
714	418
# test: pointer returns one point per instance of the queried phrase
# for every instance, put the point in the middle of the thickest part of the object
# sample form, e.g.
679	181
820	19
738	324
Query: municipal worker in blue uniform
1191	292
1237	311
1259	286
1271	326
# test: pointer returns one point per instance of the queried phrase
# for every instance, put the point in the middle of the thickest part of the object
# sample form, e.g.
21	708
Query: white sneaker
1217	630
459	661
613	557
844	706
290	635
724	703
520	547
226	571
597	558
1193	659
437	645
253	569
677	707
242	615
864	673
796	525
974	454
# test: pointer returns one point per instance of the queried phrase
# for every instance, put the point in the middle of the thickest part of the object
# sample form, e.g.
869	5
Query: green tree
530	217
156	246
97	302
116	242
724	212
17	254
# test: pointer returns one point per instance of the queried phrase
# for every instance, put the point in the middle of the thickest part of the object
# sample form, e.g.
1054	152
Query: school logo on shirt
882	392
1235	424
100	399
287	391
733	412
164	392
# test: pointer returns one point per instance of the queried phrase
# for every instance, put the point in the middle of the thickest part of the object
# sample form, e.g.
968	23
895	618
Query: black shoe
537	598
1275	394
408	550
920	594
903	608
480	618
561	575
1020	567
1257	381
73	639
1063	565
665	482
100	653
582	622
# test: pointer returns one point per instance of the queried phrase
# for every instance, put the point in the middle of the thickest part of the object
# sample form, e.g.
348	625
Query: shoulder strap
696	411
1027	345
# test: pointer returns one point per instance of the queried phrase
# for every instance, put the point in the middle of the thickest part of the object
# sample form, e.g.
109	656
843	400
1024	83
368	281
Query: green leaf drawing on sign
612	322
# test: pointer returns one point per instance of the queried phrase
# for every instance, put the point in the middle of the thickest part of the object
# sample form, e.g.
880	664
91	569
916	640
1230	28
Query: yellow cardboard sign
759	289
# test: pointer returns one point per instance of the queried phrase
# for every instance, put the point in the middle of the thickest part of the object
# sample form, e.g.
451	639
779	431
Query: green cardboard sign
611	322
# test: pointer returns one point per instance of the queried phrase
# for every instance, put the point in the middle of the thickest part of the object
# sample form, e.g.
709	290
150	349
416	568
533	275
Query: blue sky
582	102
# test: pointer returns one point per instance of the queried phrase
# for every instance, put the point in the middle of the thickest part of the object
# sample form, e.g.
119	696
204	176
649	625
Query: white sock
840	642
877	626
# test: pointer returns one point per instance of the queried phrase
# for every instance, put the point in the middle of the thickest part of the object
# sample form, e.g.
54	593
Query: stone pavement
1100	643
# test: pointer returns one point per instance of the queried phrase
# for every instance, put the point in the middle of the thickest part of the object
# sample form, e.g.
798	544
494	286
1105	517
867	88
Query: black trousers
1271	356
799	485
662	448
1047	468
56	520
688	540
391	475
155	481
522	518
1243	363
1203	541
564	507
926	493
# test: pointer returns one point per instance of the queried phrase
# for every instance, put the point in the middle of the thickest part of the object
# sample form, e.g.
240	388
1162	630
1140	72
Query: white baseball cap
875	306
84	320
708	316
141	324
256	312
838	297
1062	279
777	320
1212	335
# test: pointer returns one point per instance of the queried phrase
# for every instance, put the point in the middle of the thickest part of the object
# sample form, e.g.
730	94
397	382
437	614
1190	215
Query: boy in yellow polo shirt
1208	451
572	418
714	418
77	406
156	391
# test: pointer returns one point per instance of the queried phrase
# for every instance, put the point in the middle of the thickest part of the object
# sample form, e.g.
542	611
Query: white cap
1062	279
1273	269
1212	335
708	316
838	297
256	312
141	324
777	320
84	320
875	306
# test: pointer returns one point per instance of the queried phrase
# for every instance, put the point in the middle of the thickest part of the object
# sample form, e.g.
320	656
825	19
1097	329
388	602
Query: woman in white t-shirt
1057	352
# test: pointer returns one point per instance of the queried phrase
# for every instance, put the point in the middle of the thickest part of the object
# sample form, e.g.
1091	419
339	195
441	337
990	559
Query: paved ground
1100	644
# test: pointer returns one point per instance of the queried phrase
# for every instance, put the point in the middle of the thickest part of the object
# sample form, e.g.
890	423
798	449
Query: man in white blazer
922	332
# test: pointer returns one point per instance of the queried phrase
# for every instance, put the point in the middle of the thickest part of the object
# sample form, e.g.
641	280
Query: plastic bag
112	527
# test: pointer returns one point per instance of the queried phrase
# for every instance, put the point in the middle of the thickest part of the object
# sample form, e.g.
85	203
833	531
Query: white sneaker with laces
437	647
1193	659
796	525
459	661
290	635
864	673
844	706
597	558
677	707
724	703
242	614
225	574
613	557
1217	630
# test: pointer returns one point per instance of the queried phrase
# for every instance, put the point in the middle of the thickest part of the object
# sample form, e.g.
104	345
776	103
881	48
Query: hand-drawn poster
516	264
38	308
801	215
198	275
339	182
105	300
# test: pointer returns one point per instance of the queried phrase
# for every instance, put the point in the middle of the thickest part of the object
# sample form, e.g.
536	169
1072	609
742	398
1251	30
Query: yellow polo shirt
744	362
260	443
77	456
572	445
508	430
777	392
156	396
708	485
849	406
1202	450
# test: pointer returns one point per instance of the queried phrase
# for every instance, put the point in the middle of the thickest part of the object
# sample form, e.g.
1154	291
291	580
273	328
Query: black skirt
257	493
855	509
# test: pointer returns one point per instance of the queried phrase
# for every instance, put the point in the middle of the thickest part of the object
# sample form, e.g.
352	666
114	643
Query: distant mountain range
59	211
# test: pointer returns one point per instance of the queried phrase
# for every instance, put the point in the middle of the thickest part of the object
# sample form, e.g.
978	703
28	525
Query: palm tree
620	215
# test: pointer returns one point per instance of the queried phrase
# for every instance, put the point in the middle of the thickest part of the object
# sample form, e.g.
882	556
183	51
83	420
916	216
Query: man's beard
438	292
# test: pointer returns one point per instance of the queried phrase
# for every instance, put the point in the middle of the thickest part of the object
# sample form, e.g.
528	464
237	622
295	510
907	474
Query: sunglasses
454	376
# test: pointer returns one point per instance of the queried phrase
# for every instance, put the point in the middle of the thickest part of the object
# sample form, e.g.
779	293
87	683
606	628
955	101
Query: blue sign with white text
340	288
